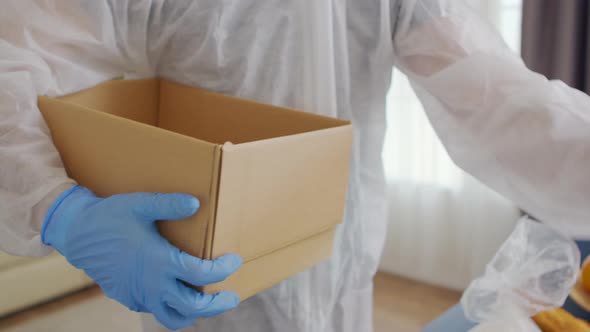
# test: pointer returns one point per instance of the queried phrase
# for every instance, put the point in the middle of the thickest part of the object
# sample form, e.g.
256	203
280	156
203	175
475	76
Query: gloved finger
199	272
191	303
157	206
171	318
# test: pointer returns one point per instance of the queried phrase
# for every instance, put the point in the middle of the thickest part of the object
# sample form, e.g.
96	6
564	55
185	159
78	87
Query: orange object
585	275
559	320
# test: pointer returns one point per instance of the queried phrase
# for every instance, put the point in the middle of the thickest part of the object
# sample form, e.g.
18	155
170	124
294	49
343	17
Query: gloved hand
115	241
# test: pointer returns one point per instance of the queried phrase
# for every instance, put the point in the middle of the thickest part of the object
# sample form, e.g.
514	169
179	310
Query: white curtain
443	224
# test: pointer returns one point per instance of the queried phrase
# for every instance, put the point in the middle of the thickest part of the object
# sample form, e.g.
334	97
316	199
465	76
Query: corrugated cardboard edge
207	240
214	197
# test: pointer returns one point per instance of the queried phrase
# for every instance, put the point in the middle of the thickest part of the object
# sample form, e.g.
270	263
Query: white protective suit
525	136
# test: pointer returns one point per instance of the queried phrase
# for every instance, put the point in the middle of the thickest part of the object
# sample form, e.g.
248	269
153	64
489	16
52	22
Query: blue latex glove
115	241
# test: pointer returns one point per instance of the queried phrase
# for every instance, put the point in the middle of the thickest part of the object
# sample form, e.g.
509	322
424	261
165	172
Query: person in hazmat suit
523	135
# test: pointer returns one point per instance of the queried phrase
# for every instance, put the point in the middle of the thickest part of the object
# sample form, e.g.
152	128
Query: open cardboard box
271	181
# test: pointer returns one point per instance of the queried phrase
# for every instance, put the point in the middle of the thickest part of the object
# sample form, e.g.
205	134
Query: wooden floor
400	305
406	305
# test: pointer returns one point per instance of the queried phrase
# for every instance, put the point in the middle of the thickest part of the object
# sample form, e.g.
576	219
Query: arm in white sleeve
523	135
31	173
53	48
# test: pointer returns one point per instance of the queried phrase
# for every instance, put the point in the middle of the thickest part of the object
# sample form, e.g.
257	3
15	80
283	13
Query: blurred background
443	227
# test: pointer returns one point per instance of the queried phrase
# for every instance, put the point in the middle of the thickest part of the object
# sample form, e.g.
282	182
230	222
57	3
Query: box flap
295	183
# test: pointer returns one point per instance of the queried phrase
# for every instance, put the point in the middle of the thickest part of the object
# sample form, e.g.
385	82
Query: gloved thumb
158	206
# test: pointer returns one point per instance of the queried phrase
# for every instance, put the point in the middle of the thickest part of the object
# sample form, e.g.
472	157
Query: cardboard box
271	181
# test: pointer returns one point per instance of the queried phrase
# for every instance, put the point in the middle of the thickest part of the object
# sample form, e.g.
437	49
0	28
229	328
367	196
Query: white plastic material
533	271
526	137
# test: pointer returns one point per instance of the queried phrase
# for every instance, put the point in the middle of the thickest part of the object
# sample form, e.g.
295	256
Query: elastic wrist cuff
52	209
